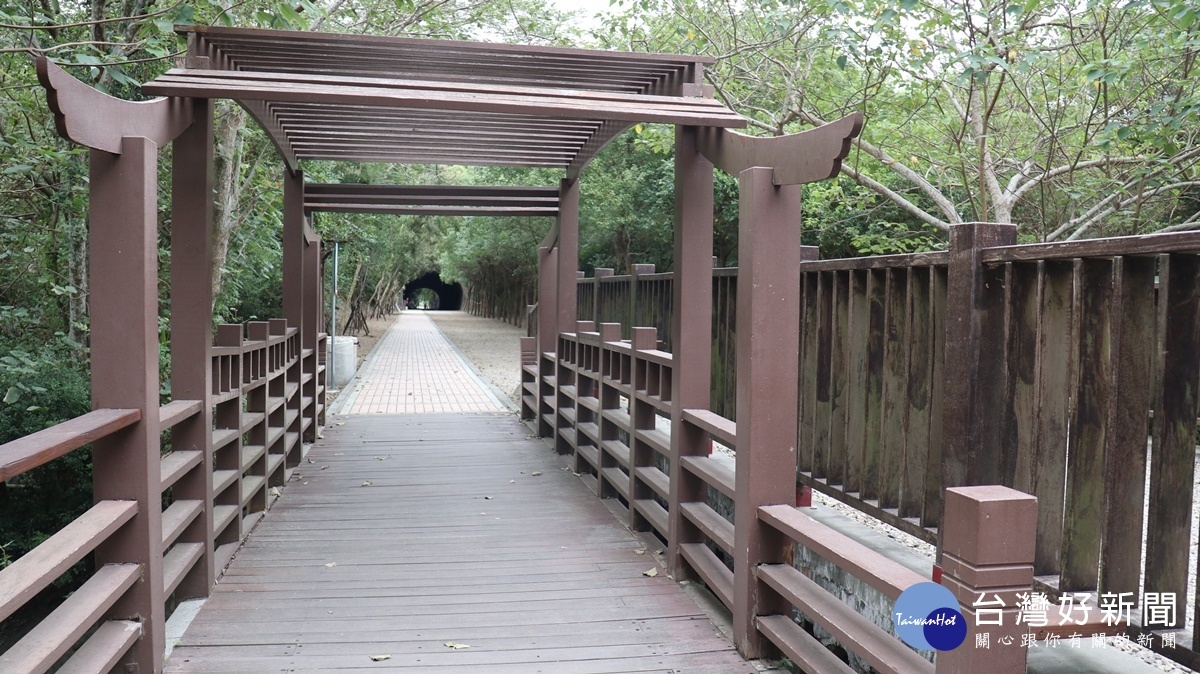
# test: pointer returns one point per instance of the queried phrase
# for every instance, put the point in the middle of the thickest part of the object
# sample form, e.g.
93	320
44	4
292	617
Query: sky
587	9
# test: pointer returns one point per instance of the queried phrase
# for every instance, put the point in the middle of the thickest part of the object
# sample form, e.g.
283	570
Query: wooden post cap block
987	562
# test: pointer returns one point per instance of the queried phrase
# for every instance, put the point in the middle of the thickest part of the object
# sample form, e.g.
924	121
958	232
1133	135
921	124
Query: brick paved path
414	369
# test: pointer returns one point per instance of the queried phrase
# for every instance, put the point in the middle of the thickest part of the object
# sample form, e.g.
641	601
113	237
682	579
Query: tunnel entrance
449	295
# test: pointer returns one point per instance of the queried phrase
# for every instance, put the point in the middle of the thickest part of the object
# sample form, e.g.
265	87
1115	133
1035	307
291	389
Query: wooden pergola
381	99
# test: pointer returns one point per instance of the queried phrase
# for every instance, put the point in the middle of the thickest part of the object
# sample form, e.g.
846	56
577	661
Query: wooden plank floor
456	539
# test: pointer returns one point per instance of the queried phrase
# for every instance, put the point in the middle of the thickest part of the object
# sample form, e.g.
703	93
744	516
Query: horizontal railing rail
37	449
260	415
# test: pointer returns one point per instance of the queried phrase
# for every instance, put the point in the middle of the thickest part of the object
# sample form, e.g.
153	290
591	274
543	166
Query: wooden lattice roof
370	98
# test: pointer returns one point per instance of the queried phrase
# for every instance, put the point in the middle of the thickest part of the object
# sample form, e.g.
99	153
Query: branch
944	205
895	197
1191	223
92	23
1067	168
1127	202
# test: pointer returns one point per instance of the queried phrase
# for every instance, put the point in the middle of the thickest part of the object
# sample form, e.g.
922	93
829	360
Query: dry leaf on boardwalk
651	573
536	473
367	483
453	646
331	565
380	658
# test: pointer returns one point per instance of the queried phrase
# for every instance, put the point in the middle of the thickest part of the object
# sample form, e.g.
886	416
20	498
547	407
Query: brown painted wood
1147	244
1133	318
30	451
1024	317
857	336
937	318
809	321
33	572
1083	512
838	377
1173	456
538	575
822	393
917	394
893	430
1050	422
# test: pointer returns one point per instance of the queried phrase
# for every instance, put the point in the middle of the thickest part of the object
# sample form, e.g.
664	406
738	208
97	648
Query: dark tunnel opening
450	295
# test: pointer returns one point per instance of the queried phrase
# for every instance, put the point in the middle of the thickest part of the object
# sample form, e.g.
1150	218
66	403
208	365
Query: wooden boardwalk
407	533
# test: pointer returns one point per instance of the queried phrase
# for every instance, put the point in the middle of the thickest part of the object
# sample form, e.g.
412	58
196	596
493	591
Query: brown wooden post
987	553
568	255
123	257
768	302
191	328
638	270
293	248
598	294
642	417
691	329
547	335
309	328
974	369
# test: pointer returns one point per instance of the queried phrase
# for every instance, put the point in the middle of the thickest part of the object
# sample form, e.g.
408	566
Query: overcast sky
586	8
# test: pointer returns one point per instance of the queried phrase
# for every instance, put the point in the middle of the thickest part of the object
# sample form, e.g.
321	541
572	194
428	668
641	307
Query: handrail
34	571
889	577
1148	244
37	449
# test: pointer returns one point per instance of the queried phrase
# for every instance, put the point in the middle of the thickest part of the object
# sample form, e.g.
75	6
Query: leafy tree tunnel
450	295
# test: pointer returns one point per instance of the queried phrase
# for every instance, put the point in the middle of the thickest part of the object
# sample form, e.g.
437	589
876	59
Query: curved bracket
797	158
94	119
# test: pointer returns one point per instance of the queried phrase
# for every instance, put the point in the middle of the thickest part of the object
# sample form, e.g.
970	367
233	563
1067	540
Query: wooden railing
1048	368
610	413
267	394
645	298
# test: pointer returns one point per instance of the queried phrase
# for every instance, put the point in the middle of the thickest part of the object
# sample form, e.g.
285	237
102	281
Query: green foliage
37	503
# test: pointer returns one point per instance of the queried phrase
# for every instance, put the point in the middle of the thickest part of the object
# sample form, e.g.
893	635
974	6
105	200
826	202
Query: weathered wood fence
1049	368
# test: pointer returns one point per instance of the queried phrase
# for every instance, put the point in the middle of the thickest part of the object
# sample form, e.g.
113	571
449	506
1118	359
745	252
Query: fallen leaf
651	573
512	481
340	454
367	483
536	473
331	565
275	492
639	552
487	498
383	458
320	436
324	467
341	423
453	646
311	461
380	658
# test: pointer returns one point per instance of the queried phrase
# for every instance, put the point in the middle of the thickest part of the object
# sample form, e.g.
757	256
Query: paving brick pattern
415	370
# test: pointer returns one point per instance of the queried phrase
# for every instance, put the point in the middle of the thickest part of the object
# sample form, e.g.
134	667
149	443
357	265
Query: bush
41	392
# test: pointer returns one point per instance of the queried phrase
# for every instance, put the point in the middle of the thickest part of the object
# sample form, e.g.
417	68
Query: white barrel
343	360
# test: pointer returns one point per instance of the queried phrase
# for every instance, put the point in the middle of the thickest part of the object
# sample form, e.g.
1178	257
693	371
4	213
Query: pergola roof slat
364	98
536	93
432	200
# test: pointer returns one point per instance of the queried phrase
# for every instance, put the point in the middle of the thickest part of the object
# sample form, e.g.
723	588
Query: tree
1069	119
